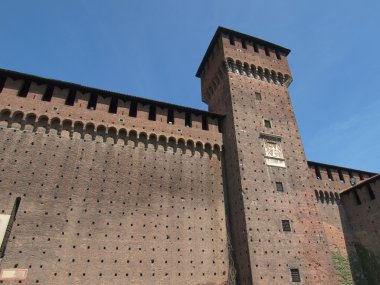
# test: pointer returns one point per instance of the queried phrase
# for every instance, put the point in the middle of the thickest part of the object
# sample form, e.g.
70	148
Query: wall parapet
100	133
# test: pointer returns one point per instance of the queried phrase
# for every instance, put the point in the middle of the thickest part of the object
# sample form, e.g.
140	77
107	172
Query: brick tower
275	227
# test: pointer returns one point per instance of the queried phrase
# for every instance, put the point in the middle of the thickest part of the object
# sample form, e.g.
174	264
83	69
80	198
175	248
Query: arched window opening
133	109
23	92
329	174
2	83
204	122
70	99
317	172
152	112
278	54
48	93
92	102
341	177
170	118
188	122
244	44
113	105
255	47
55	125
30	121
232	40
267	52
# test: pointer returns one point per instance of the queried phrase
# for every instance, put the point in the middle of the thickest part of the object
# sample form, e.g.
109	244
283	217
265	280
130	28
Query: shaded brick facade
106	188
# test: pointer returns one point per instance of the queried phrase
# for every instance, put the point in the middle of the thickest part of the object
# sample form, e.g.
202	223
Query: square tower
275	227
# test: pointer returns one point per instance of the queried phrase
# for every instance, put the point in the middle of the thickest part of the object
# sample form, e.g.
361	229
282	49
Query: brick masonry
115	189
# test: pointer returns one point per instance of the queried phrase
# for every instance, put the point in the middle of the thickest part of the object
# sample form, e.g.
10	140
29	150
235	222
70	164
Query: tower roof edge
220	30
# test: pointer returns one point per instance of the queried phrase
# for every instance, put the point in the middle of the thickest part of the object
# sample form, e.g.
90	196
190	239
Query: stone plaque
13	274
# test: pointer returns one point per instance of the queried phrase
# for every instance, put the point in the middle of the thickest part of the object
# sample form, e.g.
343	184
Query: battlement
25	96
342	175
231	51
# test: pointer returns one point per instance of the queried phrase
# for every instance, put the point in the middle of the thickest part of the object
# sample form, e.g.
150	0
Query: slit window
92	102
188	122
2	83
279	187
48	94
8	230
113	105
370	192
133	109
295	275
220	125
267	53
341	177
170	119
278	55
286	226
357	197
244	44
329	174
152	113
258	96
255	47
70	98
204	122
318	173
268	124
232	41
24	89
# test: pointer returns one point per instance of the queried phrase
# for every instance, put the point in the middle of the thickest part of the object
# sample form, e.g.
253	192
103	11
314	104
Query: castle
98	187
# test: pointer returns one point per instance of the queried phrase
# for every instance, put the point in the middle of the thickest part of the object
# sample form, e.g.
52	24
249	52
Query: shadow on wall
101	133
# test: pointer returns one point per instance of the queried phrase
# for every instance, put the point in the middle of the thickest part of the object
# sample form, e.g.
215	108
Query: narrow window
295	274
267	124
152	113
258	96
170	116
232	41
113	106
92	102
220	125
244	44
12	218
188	122
71	98
24	89
2	83
204	122
357	198
278	55
370	192
361	176
317	173
267	53
255	47
279	187
341	177
286	226
329	174
133	109
48	93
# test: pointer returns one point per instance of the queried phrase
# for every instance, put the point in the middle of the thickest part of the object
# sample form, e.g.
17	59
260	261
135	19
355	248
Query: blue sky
152	49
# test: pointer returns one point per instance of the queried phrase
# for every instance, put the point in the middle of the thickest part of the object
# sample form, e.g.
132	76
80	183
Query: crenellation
116	189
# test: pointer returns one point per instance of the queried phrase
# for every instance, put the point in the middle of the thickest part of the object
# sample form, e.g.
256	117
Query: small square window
286	226
295	274
279	187
258	96
267	124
